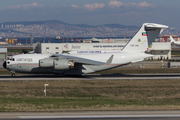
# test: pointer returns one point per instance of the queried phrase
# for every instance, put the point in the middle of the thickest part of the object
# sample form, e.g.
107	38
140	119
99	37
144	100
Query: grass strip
90	95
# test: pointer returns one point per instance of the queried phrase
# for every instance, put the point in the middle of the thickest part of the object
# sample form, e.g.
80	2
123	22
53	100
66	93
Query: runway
89	115
164	76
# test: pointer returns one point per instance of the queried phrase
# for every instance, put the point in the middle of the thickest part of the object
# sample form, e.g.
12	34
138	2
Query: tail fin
172	40
144	37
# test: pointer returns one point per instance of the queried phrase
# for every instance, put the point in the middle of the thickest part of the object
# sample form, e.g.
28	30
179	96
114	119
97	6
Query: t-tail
143	39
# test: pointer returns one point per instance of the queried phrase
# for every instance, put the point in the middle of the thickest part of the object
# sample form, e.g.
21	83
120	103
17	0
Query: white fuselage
177	43
29	63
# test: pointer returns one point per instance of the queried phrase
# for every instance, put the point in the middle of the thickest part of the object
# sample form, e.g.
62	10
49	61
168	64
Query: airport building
87	44
95	40
160	50
3	53
166	38
59	48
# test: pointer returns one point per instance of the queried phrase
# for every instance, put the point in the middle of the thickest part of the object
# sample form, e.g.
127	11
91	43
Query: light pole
45	88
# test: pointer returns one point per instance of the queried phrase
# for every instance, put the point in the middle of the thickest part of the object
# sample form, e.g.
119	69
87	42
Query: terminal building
88	44
160	50
59	48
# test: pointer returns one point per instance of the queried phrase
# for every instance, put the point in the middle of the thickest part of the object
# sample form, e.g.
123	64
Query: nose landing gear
12	73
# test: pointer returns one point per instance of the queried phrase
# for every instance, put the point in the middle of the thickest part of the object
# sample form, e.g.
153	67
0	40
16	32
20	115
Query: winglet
109	60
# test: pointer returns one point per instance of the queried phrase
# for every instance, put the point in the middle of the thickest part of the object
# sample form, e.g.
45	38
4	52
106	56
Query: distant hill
60	22
84	25
58	28
7	31
53	28
119	26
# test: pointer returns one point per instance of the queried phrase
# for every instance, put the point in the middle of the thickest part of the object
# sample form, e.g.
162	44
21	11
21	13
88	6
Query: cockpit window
11	59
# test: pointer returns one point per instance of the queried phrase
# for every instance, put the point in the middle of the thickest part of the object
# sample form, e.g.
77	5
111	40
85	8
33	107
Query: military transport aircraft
78	64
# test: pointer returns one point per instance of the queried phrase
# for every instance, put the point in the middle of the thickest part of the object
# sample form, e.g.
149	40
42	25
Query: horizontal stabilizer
153	25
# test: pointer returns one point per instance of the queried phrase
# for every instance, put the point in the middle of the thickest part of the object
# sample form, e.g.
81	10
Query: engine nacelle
62	64
47	62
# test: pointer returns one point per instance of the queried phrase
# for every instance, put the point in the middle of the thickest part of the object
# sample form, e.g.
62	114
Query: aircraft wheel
80	75
13	74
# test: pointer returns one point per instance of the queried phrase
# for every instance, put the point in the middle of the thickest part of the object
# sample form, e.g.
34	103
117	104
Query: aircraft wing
82	60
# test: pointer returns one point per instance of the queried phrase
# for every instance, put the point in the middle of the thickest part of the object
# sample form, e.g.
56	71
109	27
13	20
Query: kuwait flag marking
144	34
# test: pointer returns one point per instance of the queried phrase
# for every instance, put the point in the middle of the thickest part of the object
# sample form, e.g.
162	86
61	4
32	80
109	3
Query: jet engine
47	62
63	64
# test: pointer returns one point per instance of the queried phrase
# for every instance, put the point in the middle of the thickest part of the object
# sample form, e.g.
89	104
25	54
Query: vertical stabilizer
144	37
172	40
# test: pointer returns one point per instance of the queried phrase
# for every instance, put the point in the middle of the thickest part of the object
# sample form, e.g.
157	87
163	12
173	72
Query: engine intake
47	62
63	64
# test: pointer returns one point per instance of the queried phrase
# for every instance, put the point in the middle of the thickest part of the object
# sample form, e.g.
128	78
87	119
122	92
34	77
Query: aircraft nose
4	64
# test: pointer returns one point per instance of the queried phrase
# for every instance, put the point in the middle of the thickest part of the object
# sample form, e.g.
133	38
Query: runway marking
100	116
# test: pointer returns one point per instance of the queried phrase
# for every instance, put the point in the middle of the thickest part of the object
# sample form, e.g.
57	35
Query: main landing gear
13	74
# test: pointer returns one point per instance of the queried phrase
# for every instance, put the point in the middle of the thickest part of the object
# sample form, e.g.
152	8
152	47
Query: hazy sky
93	12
